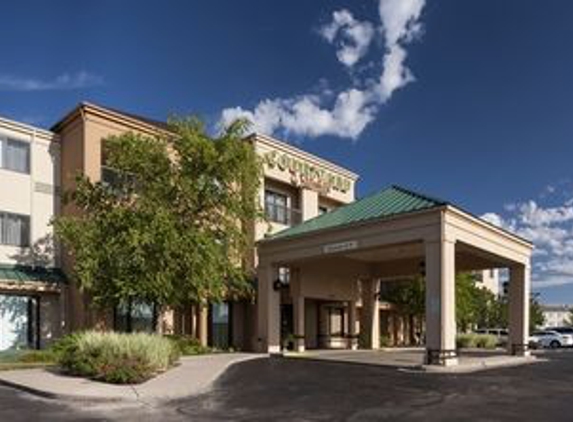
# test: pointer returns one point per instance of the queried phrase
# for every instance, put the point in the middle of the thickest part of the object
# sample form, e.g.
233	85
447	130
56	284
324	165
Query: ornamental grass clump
473	340
116	357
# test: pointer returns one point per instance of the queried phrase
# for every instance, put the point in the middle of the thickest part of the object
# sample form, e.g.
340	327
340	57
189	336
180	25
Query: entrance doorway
19	317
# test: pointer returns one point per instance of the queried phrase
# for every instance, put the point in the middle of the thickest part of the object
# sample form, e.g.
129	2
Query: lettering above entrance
307	175
340	247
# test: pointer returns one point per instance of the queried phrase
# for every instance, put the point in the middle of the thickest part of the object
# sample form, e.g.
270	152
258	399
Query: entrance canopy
393	233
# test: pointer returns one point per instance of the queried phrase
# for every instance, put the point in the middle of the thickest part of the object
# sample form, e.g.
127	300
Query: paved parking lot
298	389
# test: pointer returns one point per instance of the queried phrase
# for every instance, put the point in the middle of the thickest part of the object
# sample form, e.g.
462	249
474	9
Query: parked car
501	334
562	330
550	338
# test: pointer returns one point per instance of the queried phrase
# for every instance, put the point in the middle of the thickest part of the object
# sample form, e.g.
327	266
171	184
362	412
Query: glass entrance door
18	316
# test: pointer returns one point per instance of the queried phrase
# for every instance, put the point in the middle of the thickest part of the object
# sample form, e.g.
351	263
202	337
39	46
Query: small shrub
486	341
189	346
464	341
116	357
385	341
471	340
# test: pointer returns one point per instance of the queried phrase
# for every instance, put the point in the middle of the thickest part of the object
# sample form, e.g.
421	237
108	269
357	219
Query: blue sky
469	101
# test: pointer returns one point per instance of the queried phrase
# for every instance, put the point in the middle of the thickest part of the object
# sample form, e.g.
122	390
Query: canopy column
440	303
268	308
519	288
298	314
370	321
352	337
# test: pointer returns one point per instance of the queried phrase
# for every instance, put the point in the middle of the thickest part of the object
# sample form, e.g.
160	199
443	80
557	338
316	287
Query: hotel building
321	258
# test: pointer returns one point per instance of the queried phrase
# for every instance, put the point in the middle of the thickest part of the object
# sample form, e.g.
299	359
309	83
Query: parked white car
550	338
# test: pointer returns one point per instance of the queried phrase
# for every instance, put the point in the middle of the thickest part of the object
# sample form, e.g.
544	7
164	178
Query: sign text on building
307	174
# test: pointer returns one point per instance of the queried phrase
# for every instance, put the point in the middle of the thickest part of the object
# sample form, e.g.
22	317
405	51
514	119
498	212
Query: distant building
488	279
556	315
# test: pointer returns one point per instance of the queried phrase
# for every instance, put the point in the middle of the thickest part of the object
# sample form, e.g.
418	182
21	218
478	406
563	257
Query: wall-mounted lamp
278	285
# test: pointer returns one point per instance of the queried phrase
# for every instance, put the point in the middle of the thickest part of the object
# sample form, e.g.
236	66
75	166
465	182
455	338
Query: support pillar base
352	341
441	357
299	344
519	350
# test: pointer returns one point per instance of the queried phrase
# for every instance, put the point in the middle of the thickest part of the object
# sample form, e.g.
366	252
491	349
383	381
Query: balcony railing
283	215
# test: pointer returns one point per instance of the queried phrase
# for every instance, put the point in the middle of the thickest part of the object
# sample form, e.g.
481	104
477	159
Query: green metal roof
388	202
22	273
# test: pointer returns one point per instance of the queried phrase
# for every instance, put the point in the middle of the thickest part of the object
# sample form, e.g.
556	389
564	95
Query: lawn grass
25	359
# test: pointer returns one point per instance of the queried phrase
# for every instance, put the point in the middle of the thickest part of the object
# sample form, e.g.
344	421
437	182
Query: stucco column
441	302
519	288
202	321
298	315
370	324
352	313
268	309
309	203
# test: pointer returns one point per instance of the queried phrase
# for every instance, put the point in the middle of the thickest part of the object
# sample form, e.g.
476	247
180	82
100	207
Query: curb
137	396
67	397
472	368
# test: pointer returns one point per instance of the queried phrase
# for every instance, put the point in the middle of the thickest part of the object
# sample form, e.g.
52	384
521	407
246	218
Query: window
221	322
322	210
135	316
15	155
19	322
14	229
276	207
336	321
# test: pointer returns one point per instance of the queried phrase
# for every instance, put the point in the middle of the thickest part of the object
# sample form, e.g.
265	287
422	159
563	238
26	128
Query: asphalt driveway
301	390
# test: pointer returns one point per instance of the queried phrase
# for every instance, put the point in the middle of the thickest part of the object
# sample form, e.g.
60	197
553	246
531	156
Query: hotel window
276	207
336	317
135	316
14	229
114	179
15	155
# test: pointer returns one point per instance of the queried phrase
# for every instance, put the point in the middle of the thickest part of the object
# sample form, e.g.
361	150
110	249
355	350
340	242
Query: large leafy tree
173	227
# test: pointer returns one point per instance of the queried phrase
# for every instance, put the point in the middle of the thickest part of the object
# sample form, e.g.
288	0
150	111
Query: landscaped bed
118	358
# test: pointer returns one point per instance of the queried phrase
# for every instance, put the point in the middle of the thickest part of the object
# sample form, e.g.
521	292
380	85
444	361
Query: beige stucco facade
29	192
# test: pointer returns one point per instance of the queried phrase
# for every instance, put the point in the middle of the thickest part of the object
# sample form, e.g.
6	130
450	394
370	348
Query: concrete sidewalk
194	375
412	359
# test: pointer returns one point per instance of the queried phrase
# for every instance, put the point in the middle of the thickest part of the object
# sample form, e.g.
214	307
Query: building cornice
27	129
286	147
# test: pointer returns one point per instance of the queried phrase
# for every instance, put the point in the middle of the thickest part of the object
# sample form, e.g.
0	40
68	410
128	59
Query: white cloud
400	19
533	215
349	112
494	219
65	81
305	115
354	36
550	228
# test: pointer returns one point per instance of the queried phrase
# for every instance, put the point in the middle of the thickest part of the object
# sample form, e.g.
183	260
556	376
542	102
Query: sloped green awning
23	274
388	202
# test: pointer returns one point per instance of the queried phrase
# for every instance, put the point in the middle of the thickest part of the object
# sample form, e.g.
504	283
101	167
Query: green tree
172	229
536	317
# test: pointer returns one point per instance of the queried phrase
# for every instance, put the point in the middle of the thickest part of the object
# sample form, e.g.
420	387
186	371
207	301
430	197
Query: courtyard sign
306	174
340	247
